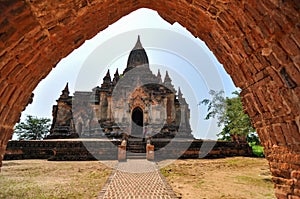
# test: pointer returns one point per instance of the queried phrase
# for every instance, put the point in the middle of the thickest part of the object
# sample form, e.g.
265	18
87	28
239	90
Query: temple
136	103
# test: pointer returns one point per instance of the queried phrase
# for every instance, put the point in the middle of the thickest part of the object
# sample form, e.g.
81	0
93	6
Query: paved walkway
137	179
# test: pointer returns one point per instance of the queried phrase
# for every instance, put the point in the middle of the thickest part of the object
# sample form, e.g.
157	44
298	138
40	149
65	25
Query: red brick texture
258	43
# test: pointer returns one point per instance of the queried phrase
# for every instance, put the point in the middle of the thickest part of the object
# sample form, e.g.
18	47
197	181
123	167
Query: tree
230	114
33	128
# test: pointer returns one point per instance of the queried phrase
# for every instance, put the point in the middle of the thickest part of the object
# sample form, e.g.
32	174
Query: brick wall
199	149
62	150
107	150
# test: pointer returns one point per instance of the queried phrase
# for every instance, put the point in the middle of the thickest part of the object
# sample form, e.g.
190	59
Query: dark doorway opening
137	119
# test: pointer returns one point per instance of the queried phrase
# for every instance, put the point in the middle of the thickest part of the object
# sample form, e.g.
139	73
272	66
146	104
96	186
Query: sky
189	62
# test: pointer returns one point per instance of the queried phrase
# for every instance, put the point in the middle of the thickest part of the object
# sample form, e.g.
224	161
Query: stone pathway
137	179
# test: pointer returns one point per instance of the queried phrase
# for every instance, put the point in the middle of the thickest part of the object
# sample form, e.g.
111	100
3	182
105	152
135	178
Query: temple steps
136	155
136	148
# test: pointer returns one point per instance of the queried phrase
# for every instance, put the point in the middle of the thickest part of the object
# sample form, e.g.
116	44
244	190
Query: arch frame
256	41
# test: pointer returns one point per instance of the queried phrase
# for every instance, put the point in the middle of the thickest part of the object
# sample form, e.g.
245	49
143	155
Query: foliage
230	115
33	128
253	138
216	106
257	150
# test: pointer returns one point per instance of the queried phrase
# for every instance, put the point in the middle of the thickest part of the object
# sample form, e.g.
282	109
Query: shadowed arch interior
256	41
137	118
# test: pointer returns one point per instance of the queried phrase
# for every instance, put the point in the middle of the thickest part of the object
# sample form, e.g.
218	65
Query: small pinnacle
67	87
108	73
138	44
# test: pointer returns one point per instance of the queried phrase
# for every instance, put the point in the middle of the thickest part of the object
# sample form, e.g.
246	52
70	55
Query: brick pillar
121	153
280	137
150	152
5	136
281	142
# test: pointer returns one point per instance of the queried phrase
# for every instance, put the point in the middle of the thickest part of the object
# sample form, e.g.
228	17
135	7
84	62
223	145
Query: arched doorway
137	122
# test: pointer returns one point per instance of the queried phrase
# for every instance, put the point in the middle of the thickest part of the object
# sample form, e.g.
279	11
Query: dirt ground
230	178
48	179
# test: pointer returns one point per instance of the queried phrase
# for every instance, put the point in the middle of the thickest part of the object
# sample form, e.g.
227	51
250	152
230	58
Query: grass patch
198	184
234	161
256	181
168	172
240	162
235	177
44	179
165	172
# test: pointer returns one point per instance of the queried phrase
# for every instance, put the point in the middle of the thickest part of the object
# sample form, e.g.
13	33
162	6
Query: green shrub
258	150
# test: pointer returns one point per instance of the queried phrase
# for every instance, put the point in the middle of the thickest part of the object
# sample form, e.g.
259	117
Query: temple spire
179	93
137	57
107	76
116	77
167	78
159	76
65	92
66	89
138	44
181	98
168	82
106	80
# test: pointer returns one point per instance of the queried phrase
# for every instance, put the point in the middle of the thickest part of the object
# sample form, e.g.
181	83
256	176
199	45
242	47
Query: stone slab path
137	178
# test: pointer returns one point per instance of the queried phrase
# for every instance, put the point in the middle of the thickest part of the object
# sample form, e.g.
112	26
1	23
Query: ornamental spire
137	57
107	74
179	93
65	92
106	80
159	76
66	89
167	78
138	44
116	77
168	82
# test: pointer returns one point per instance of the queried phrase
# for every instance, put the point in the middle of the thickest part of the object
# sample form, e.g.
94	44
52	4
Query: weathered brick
281	191
296	175
289	46
283	181
271	26
297	192
293	72
295	36
280	55
294	196
279	135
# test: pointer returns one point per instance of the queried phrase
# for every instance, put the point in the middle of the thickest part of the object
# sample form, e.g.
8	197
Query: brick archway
256	41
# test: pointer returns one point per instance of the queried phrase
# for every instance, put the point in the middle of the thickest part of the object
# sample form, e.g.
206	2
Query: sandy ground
230	178
48	179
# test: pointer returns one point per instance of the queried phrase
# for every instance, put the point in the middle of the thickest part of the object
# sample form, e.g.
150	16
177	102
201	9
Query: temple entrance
137	122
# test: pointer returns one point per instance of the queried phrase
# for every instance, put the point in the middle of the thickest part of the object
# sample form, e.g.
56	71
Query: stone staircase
136	148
